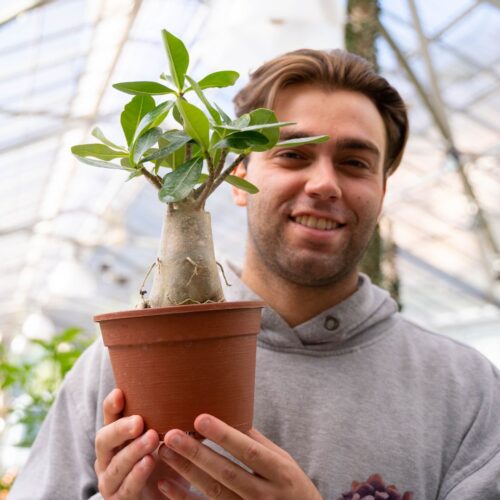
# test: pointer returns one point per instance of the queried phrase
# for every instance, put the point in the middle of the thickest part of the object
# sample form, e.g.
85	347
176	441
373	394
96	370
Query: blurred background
76	240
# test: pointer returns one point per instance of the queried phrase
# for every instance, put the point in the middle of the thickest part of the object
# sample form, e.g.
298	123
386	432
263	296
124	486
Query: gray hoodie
354	391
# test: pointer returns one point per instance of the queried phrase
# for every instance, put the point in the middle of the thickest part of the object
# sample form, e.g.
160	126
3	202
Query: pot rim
188	308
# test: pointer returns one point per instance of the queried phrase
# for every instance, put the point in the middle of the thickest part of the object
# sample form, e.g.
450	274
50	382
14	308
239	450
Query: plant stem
222	161
221	177
210	163
154	179
202	193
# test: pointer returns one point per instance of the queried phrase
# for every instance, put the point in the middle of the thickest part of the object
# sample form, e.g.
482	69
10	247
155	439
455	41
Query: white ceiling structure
76	240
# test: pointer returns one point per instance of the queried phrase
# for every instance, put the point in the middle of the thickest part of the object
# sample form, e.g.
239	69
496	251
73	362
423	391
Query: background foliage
29	383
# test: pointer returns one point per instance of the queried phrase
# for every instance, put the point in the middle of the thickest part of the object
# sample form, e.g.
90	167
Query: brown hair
332	70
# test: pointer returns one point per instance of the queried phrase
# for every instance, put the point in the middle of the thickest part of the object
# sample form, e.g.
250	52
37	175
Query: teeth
314	222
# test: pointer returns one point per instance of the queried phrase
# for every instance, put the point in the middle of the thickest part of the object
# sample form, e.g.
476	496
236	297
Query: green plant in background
186	164
30	385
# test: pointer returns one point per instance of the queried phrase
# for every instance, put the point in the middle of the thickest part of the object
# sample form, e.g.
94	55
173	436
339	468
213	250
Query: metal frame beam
10	13
440	120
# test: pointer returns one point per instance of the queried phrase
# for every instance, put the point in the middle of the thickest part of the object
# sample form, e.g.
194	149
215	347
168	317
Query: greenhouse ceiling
75	240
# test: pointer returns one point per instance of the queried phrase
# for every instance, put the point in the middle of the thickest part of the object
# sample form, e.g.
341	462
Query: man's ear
240	196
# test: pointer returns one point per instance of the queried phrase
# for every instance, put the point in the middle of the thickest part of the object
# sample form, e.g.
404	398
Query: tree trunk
361	32
186	270
361	29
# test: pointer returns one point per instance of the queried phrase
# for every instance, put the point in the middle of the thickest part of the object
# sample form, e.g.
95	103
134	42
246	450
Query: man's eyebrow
287	135
359	144
344	143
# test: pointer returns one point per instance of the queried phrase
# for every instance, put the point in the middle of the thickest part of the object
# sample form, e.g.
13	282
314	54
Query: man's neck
295	303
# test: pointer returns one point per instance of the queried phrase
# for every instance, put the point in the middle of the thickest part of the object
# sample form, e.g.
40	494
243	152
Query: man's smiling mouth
316	222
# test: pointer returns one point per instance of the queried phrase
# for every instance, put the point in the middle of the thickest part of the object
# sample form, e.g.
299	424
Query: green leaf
167	78
152	119
242	140
242	121
125	162
219	79
135	173
301	141
174	144
178	157
132	114
43	343
143	88
225	118
178	184
217	153
100	163
97	133
178	58
177	116
175	135
242	184
258	126
213	113
100	151
195	122
202	178
175	159
145	142
66	336
262	117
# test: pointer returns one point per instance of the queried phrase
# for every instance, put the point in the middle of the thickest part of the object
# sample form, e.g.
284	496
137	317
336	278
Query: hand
276	475
124	457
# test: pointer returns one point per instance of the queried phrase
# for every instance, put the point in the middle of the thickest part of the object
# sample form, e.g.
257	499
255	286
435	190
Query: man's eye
356	163
294	155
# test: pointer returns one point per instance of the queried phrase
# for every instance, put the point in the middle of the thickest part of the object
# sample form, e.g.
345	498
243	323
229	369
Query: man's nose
323	181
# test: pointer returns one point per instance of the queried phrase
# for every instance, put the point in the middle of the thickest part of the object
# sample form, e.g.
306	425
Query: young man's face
318	204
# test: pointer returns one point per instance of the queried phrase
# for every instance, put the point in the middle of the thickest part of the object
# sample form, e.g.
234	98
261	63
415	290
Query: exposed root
142	291
192	301
223	273
144	304
196	269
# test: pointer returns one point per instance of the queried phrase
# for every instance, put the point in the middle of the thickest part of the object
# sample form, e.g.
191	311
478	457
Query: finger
174	490
134	483
129	464
211	473
164	471
113	405
250	452
255	434
112	436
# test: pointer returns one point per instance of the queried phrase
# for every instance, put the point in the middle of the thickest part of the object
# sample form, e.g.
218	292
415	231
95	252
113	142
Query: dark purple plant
374	488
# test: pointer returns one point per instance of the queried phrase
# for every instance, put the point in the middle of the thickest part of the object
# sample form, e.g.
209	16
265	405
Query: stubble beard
307	267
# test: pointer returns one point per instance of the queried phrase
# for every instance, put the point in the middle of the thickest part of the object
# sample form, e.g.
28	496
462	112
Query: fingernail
145	438
115	399
132	423
174	440
204	423
164	486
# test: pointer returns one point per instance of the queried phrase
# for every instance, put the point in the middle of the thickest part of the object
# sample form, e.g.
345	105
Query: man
345	387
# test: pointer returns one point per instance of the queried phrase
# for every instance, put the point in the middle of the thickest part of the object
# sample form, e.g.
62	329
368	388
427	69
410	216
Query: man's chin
313	272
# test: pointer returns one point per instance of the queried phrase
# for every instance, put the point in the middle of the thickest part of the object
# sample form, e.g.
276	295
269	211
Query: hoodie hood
359	319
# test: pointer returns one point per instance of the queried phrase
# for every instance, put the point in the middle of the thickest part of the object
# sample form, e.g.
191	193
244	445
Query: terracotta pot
174	363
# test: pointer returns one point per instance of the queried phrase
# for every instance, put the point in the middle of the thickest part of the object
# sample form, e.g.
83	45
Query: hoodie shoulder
441	354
